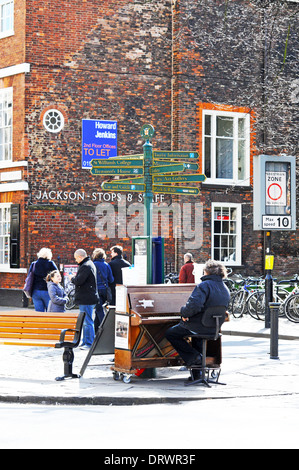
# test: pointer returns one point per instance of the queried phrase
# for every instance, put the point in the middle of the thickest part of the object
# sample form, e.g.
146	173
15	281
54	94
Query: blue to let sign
99	140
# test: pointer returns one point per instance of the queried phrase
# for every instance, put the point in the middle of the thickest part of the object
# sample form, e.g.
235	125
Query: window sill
7	34
224	183
6	269
10	164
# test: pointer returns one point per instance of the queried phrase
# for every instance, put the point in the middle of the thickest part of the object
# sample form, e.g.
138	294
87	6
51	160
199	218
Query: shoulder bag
28	287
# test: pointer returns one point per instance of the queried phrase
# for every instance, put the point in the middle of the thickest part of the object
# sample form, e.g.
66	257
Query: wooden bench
48	329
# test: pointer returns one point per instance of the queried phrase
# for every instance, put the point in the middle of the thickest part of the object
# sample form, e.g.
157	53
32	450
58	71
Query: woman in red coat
186	273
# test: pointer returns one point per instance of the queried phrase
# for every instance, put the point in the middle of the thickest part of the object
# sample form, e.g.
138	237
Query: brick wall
115	66
240	53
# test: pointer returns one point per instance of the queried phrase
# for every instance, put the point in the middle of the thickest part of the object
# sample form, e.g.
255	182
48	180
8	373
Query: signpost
174	155
116	171
174	190
167	169
123	187
151	172
274	207
153	166
116	162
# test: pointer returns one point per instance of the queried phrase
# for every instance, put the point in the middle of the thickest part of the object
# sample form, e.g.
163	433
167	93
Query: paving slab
27	374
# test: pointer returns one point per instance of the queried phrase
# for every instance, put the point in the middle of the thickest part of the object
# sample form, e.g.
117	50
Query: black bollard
274	310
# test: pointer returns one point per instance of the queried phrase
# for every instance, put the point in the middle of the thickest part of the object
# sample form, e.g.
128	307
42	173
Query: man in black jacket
210	292
86	294
116	265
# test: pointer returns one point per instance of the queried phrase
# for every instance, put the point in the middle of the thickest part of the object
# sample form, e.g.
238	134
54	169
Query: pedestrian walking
58	297
116	265
86	295
104	278
42	267
186	273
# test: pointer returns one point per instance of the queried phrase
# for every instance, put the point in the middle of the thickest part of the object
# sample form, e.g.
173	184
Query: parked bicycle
291	307
70	292
171	278
283	292
241	299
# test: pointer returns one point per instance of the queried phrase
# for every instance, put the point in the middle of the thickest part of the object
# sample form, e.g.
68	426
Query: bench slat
16	342
6	325
35	328
45	320
26	329
31	335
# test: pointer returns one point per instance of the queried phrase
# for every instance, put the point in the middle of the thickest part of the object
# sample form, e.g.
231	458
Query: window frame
56	127
7	235
6	32
235	115
238	234
4	91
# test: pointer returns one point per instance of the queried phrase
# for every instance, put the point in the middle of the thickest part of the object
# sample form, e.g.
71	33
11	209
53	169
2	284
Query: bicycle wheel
253	306
291	308
70	303
260	306
238	304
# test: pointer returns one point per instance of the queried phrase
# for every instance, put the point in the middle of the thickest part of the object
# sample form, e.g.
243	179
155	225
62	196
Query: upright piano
142	316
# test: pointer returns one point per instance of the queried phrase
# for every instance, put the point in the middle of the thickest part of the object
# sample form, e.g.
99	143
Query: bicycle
242	298
70	292
291	307
281	295
171	278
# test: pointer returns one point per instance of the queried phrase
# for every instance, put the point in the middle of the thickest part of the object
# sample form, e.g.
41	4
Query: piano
142	316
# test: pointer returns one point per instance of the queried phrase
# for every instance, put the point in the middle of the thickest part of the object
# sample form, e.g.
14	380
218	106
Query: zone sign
276	188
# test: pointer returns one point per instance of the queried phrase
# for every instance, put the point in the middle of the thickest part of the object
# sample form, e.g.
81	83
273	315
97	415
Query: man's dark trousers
188	352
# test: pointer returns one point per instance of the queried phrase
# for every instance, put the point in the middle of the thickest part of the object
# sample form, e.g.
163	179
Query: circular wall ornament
53	120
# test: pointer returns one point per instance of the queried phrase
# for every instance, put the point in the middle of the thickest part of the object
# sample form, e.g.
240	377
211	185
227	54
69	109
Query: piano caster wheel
116	375
127	379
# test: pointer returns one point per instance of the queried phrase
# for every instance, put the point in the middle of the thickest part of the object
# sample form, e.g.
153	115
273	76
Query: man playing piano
210	292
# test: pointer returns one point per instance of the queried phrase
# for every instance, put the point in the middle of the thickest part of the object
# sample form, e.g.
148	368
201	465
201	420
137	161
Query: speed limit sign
276	188
274	192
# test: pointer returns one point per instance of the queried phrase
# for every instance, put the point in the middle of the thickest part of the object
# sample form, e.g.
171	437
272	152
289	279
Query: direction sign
109	162
123	187
167	168
175	154
187	165
157	188
139	179
191	166
137	155
179	178
116	171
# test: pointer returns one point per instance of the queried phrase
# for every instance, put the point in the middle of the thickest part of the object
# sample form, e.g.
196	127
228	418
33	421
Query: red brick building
219	77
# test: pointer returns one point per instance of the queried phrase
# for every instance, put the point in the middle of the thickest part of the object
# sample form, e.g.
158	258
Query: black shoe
196	361
195	375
